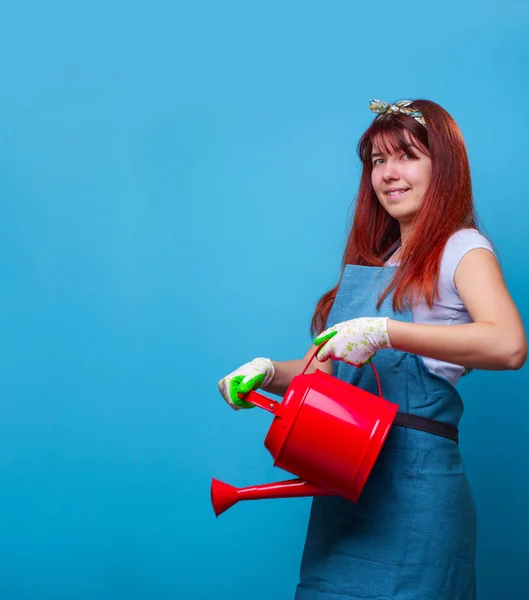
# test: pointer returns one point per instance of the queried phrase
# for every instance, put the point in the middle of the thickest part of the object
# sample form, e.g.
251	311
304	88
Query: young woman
422	295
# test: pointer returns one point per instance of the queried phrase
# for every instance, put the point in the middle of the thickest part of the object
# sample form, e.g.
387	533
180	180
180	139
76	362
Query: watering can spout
224	496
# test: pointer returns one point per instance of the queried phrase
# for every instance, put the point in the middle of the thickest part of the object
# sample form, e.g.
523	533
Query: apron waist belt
429	425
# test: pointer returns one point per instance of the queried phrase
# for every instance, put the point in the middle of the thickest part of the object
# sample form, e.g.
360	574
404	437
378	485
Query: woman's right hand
251	376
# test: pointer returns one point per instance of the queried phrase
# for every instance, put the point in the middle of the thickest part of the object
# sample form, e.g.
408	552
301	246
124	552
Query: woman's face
400	179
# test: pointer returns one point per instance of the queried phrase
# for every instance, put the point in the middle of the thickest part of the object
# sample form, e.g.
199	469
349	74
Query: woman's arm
285	371
495	340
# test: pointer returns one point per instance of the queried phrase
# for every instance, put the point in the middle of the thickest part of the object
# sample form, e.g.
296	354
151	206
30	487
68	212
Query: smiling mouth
396	193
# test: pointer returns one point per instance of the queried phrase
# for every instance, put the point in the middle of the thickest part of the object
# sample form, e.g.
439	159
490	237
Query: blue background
175	185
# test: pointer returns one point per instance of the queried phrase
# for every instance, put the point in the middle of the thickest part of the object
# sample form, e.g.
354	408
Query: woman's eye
378	161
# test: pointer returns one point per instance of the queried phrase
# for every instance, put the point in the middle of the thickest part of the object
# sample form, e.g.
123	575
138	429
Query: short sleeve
457	246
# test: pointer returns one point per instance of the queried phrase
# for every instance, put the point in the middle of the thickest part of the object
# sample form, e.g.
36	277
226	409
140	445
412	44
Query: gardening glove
354	342
255	374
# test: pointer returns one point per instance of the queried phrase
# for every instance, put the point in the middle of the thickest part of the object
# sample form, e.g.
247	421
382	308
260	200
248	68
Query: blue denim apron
412	533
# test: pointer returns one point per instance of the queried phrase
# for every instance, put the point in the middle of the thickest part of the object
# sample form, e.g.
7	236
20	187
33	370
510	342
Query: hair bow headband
382	108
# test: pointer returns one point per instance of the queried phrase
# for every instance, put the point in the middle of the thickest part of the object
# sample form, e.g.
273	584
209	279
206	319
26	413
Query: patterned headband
382	108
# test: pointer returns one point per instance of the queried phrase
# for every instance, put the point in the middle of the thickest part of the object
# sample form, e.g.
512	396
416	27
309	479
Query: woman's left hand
354	342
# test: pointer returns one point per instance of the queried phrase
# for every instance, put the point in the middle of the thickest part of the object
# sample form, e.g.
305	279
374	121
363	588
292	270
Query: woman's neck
405	233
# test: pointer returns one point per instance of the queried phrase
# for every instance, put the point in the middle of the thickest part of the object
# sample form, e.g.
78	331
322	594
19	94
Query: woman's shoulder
457	246
468	237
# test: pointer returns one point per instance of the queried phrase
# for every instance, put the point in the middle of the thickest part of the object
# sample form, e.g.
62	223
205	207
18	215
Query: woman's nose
390	171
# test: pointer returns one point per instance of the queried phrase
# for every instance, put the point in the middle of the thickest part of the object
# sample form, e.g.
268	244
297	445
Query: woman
422	295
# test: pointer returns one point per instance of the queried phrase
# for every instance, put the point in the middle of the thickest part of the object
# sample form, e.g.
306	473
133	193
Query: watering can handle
262	401
313	355
370	362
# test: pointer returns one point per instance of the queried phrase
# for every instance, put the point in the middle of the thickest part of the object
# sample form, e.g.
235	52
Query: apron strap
428	425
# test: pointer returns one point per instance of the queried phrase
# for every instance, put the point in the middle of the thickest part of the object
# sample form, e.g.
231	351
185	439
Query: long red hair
447	206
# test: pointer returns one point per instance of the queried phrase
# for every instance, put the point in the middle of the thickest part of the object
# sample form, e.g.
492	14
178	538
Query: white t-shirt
448	309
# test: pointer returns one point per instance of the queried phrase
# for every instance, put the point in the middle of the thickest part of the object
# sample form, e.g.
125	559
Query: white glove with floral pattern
255	374
354	342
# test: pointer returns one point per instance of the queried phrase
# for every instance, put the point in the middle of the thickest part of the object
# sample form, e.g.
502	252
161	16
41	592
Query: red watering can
327	432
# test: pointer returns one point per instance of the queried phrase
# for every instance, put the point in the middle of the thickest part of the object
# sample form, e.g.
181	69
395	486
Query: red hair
447	206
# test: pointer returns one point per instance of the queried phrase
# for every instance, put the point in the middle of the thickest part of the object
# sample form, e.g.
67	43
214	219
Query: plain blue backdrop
176	182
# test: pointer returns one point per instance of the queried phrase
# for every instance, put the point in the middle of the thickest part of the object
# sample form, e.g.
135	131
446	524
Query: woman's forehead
389	142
